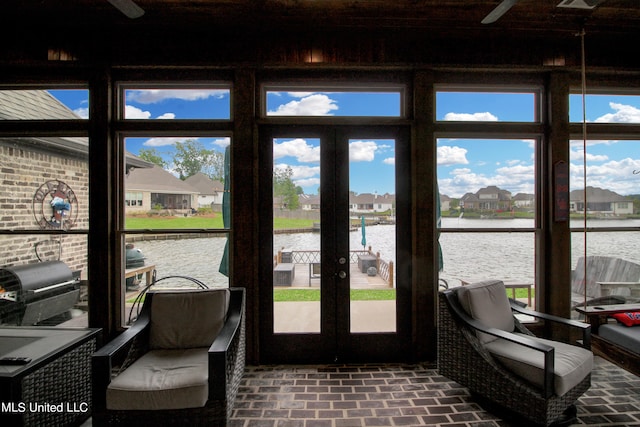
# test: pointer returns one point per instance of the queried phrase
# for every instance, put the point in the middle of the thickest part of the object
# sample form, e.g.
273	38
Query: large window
45	209
176	199
487	188
604	198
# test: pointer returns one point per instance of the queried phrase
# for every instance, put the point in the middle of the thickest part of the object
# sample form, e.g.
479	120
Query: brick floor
402	395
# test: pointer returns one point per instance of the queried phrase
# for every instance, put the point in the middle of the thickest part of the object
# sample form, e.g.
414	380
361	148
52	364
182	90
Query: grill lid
38	277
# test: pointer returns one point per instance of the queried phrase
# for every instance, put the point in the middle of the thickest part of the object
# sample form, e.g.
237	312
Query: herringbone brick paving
402	395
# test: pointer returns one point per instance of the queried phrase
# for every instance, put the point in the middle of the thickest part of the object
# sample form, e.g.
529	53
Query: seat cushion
624	336
487	302
187	319
162	379
571	363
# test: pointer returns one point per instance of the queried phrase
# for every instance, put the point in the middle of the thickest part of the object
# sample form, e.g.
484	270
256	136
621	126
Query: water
467	256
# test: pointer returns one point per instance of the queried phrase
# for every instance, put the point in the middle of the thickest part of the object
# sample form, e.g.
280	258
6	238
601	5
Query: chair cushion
162	379
187	319
571	363
487	302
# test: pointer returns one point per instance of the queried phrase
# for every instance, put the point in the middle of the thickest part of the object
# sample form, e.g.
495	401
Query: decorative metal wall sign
55	206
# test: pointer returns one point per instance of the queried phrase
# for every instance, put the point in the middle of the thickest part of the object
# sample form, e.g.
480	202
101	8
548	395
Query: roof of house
38	104
368	198
524	196
492	189
309	199
597	195
156	180
204	184
32	105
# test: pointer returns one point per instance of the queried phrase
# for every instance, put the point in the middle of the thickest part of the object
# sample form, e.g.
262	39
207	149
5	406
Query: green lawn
173	222
280	295
200	222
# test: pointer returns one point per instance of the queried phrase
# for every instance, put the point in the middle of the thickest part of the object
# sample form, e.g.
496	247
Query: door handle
342	274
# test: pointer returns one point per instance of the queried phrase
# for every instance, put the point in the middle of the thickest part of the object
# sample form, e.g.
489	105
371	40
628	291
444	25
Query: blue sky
464	165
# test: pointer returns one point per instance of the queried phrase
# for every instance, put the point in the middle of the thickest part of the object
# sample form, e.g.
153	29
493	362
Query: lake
508	256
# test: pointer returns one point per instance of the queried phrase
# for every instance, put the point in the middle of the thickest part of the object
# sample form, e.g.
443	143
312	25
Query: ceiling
612	17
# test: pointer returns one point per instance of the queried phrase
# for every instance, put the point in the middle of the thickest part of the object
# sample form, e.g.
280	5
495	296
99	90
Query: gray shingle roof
204	184
156	180
32	105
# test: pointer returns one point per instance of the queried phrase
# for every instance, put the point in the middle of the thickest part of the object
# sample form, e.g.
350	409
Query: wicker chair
179	364
483	346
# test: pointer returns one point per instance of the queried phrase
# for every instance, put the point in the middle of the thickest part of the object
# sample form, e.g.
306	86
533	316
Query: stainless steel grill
32	293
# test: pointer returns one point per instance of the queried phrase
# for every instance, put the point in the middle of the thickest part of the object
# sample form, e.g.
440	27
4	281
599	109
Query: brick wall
31	177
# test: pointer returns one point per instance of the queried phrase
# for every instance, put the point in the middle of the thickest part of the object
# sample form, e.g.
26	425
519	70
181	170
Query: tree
151	155
192	157
284	187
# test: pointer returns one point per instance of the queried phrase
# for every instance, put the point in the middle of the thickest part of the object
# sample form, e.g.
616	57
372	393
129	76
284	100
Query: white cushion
571	363
187	319
162	379
487	302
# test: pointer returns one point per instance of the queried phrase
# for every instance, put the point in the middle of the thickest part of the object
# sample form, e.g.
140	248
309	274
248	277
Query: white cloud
389	161
304	176
300	94
362	151
153	96
297	148
619	176
516	178
311	182
300	172
461	171
471	117
222	142
83	113
623	114
313	105
162	142
578	155
448	155
131	112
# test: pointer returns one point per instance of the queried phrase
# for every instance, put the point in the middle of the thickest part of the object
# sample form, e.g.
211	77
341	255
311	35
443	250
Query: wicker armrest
584	327
102	360
227	353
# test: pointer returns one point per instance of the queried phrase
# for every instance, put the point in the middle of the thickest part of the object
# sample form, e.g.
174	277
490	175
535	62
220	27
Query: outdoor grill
32	293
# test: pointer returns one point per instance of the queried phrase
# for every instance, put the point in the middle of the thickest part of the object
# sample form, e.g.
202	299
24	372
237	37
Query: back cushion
187	319
487	302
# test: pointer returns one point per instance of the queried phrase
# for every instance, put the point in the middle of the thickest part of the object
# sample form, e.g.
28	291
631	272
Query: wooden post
391	274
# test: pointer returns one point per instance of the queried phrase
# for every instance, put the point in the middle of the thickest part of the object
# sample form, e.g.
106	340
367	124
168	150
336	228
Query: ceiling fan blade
500	10
128	7
580	4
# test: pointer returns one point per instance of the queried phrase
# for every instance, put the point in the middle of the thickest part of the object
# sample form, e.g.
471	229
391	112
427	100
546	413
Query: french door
335	244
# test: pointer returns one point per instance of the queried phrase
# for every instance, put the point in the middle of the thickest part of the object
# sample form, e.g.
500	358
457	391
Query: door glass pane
296	235
372	233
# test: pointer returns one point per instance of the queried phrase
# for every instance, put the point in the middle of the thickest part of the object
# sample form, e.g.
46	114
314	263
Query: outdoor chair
483	346
180	363
608	280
